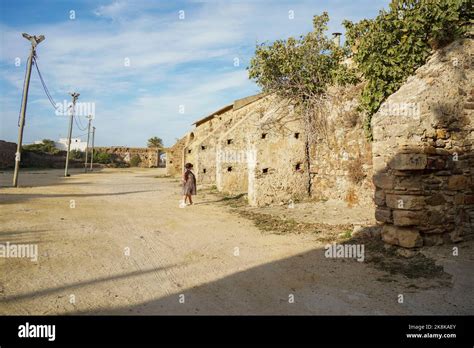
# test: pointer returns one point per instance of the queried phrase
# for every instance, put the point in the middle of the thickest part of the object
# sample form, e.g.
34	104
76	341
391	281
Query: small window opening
264	135
297	135
229	169
298	166
203	147
204	170
229	141
265	170
189	151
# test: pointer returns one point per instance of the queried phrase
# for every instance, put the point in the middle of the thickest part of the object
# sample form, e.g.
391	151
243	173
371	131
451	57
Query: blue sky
174	62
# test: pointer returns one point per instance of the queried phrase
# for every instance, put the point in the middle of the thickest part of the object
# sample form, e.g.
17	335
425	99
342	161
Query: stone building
423	153
418	170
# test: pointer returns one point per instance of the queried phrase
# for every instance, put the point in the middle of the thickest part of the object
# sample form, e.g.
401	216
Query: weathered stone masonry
423	153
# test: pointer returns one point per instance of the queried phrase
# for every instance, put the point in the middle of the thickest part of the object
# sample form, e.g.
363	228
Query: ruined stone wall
341	155
7	154
423	153
234	145
174	158
148	156
203	147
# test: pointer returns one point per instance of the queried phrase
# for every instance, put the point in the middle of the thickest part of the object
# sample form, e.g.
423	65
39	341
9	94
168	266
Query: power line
50	98
77	124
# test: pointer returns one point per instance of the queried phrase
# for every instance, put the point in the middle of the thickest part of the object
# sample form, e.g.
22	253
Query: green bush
47	146
102	157
77	155
135	161
389	48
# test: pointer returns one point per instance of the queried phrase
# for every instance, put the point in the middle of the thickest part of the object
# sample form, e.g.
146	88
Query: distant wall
148	156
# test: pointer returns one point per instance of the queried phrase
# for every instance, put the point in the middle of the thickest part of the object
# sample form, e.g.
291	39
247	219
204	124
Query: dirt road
116	242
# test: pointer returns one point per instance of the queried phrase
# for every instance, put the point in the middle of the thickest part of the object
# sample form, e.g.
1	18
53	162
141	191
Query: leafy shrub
102	157
389	48
77	154
47	146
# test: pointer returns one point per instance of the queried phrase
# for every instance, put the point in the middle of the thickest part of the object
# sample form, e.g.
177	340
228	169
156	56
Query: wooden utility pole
73	107
87	145
35	40
92	153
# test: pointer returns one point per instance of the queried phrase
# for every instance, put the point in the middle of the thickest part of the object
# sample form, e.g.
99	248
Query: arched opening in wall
229	169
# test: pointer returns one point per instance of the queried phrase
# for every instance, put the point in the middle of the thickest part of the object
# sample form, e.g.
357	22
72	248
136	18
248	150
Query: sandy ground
127	248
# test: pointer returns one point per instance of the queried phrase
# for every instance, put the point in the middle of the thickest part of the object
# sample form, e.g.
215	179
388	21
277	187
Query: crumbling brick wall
423	153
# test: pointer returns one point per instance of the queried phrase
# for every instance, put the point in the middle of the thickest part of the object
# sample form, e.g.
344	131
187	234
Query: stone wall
7	154
423	153
148	156
341	155
174	157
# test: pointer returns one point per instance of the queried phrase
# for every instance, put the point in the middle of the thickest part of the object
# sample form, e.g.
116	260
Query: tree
155	142
300	71
389	48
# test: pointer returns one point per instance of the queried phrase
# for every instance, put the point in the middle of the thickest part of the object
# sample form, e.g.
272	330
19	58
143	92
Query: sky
146	68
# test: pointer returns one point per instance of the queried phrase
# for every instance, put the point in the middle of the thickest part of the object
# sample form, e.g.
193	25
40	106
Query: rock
407	161
383	214
458	182
383	181
407	253
408	217
436	199
402	236
442	134
406	202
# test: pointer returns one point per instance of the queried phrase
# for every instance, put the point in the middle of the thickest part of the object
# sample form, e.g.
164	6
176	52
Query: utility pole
92	153
87	145
74	98
35	40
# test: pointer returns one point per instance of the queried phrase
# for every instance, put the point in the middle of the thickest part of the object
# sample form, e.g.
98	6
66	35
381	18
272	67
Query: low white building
61	144
76	144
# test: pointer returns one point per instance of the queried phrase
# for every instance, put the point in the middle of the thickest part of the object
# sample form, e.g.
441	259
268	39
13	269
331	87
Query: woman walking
189	185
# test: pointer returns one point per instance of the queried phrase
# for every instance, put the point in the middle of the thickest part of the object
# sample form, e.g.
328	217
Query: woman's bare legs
190	199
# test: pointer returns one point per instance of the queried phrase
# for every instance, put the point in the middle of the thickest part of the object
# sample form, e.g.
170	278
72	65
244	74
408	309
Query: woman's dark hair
188	165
